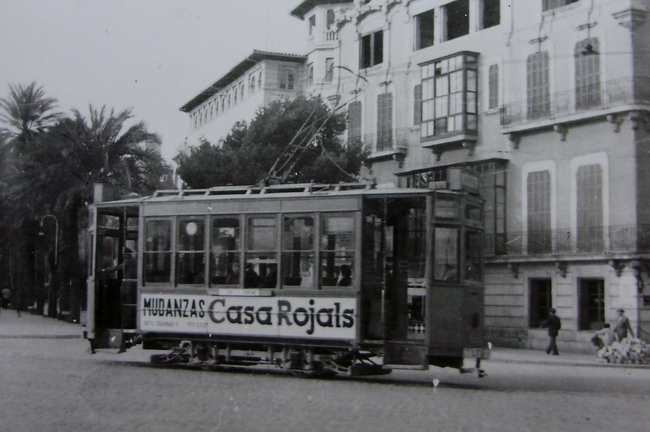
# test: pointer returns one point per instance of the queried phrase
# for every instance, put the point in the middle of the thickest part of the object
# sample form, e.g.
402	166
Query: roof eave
237	71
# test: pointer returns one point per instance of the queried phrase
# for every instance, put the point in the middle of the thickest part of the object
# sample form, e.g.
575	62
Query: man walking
554	325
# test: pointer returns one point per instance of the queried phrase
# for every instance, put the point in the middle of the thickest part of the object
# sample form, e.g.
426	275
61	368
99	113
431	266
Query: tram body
305	277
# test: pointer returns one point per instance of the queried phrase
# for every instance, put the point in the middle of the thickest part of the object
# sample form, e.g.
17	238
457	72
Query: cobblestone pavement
53	384
33	326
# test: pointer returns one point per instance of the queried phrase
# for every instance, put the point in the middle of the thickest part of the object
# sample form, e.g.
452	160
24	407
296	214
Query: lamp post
56	234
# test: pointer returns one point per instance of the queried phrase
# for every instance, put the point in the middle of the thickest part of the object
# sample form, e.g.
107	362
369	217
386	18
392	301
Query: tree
61	167
27	111
25	114
287	141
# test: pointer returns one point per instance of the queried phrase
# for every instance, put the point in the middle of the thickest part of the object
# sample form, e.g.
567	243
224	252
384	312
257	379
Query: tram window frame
472	261
167	253
456	275
200	233
108	221
252	275
233	256
289	252
337	254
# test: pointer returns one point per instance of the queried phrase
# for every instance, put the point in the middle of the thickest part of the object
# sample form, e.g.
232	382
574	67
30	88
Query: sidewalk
35	326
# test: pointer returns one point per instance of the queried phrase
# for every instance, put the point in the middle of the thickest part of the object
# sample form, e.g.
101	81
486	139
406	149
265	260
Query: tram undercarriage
303	361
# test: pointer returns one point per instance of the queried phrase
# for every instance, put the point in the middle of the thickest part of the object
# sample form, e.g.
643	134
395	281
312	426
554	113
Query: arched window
252	84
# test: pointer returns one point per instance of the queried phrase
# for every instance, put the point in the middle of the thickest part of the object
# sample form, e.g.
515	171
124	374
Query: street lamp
56	234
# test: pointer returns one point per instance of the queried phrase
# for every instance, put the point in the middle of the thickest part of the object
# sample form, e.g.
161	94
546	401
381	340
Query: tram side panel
165	316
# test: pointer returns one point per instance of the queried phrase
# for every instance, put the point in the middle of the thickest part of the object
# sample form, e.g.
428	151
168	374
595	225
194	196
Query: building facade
257	80
549	101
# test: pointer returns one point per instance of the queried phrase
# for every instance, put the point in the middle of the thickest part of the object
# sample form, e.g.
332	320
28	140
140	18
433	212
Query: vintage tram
345	278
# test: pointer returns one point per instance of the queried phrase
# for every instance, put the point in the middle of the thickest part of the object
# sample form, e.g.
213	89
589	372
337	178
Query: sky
151	56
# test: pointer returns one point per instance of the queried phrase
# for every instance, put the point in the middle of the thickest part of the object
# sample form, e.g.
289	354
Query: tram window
108	221
157	253
446	254
446	208
337	250
473	256
225	251
107	257
130	259
298	251
190	252
261	257
416	244
132	224
473	213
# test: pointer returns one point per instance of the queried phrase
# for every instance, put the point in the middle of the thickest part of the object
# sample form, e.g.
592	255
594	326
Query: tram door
393	291
115	276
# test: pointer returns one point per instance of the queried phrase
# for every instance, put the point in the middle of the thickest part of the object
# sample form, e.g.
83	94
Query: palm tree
25	114
62	166
27	111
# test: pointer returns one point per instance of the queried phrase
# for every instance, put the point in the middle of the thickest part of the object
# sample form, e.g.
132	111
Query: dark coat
554	325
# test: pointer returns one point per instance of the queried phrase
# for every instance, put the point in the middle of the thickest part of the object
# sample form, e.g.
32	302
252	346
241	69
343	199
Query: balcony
576	104
331	36
325	39
387	144
613	239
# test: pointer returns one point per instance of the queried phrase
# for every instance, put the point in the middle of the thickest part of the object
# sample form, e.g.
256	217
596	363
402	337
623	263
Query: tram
346	278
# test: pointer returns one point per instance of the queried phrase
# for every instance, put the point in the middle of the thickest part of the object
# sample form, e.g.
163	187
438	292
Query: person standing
605	337
19	305
554	325
6	295
622	326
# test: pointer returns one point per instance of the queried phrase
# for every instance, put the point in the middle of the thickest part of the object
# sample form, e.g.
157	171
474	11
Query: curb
40	337
550	363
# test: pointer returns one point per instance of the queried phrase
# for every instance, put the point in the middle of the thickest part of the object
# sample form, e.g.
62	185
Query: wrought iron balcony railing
390	139
634	90
567	241
386	140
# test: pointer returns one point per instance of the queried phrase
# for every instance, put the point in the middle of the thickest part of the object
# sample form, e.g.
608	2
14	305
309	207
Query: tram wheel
177	355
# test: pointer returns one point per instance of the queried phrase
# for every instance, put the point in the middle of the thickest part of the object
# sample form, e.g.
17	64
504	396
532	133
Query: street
54	384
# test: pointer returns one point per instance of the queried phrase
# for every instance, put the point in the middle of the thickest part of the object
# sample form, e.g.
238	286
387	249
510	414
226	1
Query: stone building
257	80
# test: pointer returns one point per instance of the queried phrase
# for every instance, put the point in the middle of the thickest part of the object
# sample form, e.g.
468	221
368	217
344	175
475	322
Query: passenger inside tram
346	276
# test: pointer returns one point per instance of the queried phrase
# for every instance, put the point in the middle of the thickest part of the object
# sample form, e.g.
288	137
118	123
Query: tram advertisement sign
303	317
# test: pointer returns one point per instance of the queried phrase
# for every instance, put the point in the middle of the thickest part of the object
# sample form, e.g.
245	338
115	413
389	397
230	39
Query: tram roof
271	192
